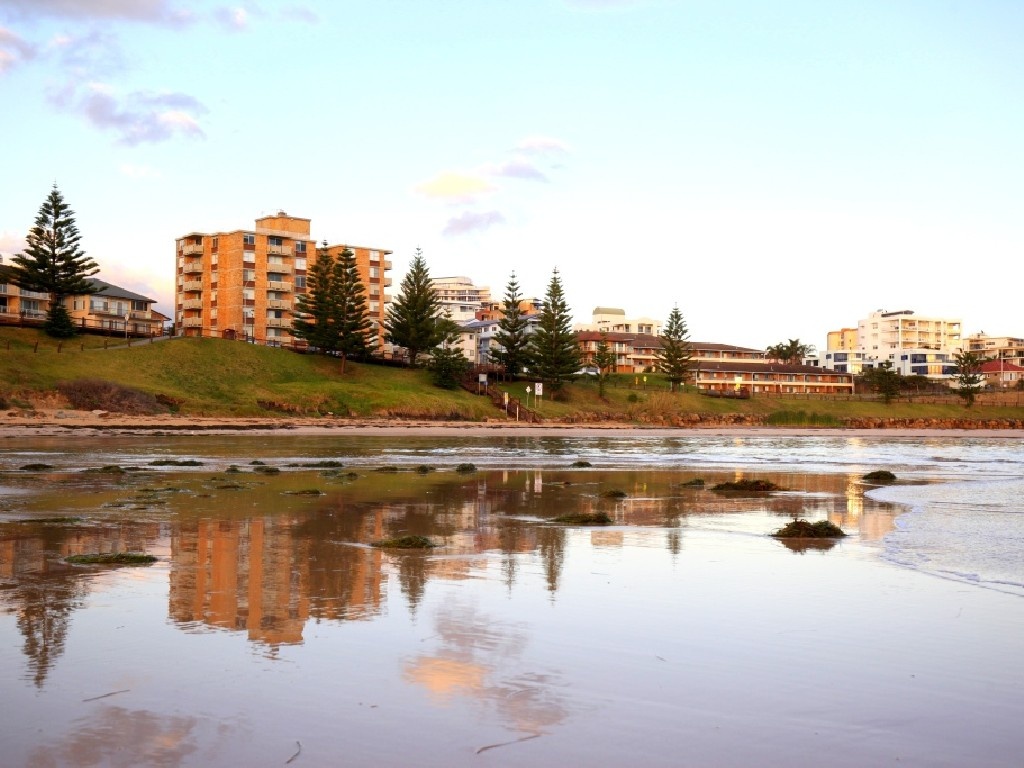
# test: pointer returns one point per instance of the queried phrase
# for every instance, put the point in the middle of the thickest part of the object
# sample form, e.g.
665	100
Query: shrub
98	395
465	468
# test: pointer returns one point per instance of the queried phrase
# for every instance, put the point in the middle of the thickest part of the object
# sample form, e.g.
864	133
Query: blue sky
777	169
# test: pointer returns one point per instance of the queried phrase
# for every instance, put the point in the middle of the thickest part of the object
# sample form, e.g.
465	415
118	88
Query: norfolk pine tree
554	349
321	330
447	362
604	359
412	317
675	356
350	310
54	263
512	332
968	375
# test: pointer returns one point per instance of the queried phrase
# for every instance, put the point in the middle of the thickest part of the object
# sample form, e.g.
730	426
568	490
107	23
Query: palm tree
791	351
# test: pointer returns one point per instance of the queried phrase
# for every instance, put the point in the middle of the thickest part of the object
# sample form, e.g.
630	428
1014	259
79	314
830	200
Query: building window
300	263
300	281
275	241
249	239
248	275
300	246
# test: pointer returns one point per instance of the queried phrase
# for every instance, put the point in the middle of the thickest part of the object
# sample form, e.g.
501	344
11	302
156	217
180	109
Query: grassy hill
212	377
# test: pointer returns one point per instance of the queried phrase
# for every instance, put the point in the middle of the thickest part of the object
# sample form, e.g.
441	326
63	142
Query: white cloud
455	187
471	221
13	50
149	11
542	145
11	243
236	18
136	118
518	168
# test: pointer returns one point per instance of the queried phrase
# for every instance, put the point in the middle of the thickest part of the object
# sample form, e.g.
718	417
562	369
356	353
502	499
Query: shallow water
680	634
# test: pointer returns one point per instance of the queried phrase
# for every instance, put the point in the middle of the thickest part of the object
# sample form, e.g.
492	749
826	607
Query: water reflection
265	554
477	657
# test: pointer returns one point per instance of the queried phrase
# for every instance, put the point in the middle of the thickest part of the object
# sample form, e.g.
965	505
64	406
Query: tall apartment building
1007	348
460	297
614	320
244	284
914	344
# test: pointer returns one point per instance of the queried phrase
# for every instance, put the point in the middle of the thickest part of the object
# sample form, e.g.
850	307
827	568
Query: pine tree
54	263
604	359
412	317
675	357
447	362
319	303
968	375
554	348
512	336
350	310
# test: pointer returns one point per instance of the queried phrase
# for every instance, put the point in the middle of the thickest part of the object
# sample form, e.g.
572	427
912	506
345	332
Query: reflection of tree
412	576
44	616
474	651
551	542
121	737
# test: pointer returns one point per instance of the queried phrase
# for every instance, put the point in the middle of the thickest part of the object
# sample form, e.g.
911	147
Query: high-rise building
244	284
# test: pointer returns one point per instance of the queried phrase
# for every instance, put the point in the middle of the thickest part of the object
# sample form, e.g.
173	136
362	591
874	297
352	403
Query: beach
53	421
681	633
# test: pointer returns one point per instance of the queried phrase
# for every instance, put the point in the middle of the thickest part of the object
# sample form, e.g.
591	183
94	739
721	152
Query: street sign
539	389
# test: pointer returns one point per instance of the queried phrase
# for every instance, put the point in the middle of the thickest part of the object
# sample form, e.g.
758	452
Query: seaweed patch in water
405	542
585	518
802	529
111	558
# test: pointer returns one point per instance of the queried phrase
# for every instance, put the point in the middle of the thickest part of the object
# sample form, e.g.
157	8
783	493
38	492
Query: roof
117	292
609	311
999	366
742	366
650	340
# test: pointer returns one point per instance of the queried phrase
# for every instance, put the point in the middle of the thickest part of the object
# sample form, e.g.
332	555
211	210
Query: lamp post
127	317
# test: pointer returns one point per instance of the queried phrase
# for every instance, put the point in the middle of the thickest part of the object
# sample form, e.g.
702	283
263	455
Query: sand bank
66	422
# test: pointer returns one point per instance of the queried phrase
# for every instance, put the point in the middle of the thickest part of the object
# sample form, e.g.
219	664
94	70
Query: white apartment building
915	345
1007	348
461	298
614	320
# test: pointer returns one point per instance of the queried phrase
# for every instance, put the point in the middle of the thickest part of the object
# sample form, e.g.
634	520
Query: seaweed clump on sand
802	529
697	482
880	476
613	494
585	518
581	464
405	542
465	468
37	467
747	486
111	558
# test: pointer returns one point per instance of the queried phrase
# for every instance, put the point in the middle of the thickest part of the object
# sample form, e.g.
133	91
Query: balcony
194	286
279	250
141	314
278	322
34	295
192	322
192	304
273	285
282	268
192	250
386	282
278	304
192	267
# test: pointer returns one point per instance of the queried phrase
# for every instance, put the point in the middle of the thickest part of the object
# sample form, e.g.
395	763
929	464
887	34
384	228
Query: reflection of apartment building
244	284
111	309
915	345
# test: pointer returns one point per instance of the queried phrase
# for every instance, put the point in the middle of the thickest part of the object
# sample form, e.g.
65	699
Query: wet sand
51	423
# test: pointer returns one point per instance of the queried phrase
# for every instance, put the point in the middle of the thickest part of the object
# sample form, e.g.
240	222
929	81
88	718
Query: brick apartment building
243	284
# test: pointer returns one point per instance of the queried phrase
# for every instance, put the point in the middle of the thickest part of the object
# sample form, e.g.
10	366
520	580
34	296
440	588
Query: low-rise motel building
243	284
720	367
110	310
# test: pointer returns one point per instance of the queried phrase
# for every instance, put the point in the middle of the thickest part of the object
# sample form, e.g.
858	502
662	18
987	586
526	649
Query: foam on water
971	531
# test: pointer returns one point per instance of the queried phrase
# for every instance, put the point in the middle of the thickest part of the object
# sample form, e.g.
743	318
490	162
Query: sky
774	169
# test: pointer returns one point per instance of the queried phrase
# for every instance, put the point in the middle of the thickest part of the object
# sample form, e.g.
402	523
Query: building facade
1009	349
112	309
244	284
614	320
915	345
